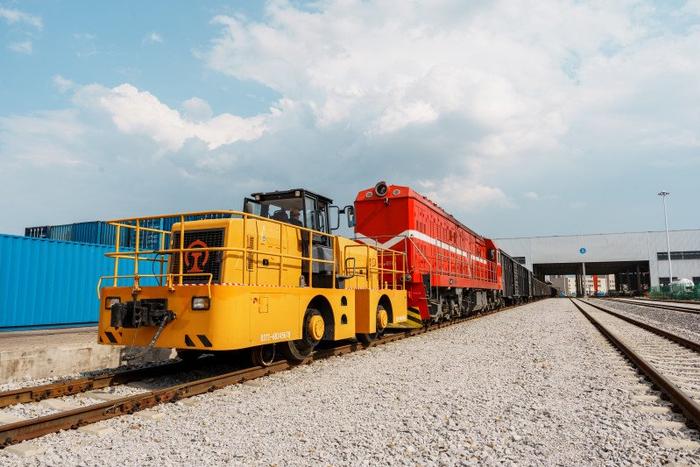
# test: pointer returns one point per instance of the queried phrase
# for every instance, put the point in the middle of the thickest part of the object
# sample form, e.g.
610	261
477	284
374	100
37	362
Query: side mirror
350	267
334	216
350	213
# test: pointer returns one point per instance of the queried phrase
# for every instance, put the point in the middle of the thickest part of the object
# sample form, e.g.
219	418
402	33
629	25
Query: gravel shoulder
535	385
684	324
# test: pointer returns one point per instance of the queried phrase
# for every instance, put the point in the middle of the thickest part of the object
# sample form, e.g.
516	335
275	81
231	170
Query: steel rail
33	428
668	300
688	406
692	345
74	386
683	309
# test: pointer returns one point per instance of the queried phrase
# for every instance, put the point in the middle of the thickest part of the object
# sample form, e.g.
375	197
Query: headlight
200	303
111	301
381	188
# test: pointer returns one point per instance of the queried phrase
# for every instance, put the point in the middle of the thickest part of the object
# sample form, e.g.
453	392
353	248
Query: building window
678	255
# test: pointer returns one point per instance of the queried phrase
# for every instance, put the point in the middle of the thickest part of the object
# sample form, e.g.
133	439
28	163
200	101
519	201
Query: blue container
102	233
96	232
50	283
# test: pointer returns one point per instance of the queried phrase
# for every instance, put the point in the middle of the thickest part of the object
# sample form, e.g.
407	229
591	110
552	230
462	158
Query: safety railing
393	277
138	252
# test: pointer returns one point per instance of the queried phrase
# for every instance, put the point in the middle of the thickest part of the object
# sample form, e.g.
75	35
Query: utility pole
663	195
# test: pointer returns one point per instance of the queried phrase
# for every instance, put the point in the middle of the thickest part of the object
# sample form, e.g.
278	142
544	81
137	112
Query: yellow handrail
381	270
138	254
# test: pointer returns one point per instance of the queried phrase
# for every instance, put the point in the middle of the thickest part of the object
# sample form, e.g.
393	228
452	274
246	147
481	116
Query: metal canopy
598	268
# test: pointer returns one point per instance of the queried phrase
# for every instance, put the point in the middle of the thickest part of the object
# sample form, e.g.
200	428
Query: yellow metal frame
249	308
397	276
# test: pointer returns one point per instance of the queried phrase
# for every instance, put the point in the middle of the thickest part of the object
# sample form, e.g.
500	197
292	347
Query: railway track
671	362
671	300
689	308
73	386
33	428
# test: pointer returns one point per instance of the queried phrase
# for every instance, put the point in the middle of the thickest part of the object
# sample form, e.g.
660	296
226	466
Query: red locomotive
452	271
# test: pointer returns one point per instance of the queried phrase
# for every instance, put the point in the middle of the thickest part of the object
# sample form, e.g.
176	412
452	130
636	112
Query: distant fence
675	293
50	283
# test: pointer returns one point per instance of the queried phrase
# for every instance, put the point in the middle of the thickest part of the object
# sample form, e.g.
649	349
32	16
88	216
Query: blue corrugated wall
50	282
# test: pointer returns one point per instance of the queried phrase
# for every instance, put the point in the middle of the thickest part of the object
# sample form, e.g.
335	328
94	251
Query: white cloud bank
132	112
489	86
475	102
137	112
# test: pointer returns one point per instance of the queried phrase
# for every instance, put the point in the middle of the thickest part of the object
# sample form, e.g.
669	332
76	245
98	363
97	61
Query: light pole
663	195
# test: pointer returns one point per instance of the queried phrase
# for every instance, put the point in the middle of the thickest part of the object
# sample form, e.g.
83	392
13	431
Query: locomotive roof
408	192
283	194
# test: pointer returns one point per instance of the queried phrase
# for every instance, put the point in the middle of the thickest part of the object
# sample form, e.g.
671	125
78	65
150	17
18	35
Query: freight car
519	284
452	271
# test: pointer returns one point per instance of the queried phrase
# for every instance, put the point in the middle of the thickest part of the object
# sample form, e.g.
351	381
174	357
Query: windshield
284	210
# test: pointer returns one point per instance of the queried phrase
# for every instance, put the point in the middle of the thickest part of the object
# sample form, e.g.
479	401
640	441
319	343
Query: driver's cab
297	207
302	208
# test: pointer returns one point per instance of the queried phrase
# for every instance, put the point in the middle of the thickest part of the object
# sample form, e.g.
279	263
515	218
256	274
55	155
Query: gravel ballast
532	385
684	324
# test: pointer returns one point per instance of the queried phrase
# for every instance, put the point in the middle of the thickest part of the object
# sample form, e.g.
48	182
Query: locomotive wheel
312	333
382	323
454	309
263	355
439	311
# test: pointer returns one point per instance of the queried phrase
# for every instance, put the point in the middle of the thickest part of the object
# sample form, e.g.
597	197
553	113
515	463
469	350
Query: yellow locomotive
272	277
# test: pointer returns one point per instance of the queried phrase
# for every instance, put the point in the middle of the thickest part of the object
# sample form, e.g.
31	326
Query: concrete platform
54	353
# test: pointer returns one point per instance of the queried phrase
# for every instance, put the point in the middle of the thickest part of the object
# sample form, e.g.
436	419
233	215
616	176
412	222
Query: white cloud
348	62
532	195
23	47
62	84
197	109
469	195
404	114
12	16
136	112
692	7
46	138
153	38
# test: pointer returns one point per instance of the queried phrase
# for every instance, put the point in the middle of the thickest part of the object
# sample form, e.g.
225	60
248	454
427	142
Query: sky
520	118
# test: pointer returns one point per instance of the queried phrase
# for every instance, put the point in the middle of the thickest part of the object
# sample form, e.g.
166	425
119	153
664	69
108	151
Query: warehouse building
595	284
637	259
